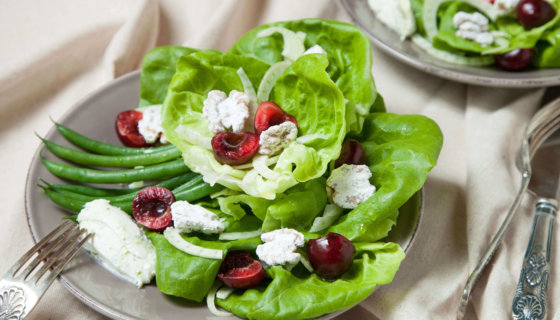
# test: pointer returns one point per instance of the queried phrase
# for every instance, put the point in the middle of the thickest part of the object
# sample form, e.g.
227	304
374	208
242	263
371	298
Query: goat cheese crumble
315	49
350	185
474	27
395	14
226	113
150	125
280	247
274	139
189	218
118	242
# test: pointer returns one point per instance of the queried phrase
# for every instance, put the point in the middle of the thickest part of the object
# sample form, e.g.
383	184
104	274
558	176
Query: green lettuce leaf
348	51
304	91
296	208
548	50
291	297
400	151
158	67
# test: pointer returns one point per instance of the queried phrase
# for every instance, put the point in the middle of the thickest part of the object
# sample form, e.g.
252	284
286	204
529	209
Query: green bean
188	184
107	193
113	161
157	171
197	192
102	147
77	205
92	191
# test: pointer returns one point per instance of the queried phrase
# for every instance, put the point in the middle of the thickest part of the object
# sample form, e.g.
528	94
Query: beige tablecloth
55	52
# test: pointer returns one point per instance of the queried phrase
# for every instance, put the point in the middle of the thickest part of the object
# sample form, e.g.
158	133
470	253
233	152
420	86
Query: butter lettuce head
305	91
348	52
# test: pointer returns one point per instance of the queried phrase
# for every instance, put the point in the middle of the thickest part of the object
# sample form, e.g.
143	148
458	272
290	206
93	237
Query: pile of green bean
162	165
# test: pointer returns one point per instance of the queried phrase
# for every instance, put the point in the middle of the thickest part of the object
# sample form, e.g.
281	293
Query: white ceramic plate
409	53
85	277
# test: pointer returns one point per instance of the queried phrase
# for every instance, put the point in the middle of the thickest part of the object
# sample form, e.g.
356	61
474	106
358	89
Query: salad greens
435	25
333	97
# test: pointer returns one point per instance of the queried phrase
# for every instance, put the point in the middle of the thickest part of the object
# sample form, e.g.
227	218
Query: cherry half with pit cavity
534	13
126	126
234	148
330	256
269	114
240	270
152	207
352	152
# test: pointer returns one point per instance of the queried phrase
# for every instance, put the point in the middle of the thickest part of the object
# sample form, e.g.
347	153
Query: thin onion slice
450	57
211	302
269	79
293	43
330	214
174	237
239	235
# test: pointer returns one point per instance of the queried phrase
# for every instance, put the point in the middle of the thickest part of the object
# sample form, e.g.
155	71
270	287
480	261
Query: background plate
409	53
85	277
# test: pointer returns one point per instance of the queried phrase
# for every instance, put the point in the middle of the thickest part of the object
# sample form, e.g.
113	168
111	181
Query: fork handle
530	297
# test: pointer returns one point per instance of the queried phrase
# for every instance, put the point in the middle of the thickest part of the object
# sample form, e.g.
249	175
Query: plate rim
445	73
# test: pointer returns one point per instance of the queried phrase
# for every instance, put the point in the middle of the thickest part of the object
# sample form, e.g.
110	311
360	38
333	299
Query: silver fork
543	124
27	280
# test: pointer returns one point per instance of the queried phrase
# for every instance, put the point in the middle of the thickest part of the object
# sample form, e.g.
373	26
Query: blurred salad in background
514	35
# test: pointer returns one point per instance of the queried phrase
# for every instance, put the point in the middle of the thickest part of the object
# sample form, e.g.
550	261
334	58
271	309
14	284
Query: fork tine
47	249
62	262
21	262
70	244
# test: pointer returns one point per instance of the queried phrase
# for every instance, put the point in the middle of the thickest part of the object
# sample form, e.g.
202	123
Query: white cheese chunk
190	218
279	247
150	125
473	27
315	49
395	14
350	185
274	139
118	242
226	113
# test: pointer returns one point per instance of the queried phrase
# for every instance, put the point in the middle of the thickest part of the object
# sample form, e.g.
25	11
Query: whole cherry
514	60
534	13
330	256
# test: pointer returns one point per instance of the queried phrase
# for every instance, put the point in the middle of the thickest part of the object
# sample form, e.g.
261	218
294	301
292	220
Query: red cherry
240	270
352	152
234	148
514	60
269	114
534	13
126	125
152	207
330	256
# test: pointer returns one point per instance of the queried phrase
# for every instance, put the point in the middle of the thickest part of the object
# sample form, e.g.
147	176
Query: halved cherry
126	125
240	270
269	114
234	148
352	152
152	207
330	256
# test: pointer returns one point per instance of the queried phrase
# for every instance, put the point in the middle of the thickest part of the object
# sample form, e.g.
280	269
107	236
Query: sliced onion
293	43
269	79
211	302
330	214
239	235
174	237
